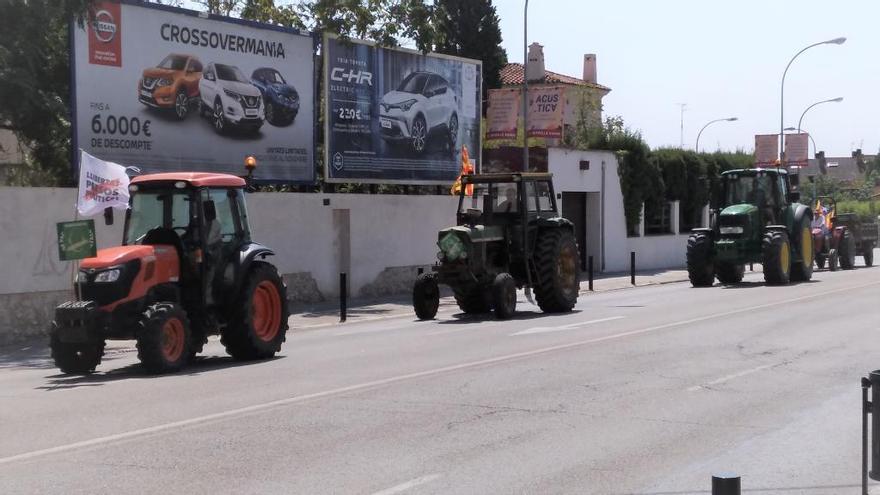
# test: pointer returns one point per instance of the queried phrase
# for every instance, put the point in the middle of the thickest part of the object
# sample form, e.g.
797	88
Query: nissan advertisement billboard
398	116
167	89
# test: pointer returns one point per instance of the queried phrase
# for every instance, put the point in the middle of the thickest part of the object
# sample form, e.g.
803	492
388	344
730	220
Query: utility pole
682	105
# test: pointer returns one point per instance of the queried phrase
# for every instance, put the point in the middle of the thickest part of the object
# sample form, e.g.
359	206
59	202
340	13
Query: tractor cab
759	195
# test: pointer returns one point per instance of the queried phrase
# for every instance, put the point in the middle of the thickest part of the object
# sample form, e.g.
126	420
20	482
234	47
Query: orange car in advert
173	84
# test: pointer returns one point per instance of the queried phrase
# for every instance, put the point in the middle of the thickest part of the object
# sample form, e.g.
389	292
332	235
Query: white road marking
733	376
397	379
562	328
409	484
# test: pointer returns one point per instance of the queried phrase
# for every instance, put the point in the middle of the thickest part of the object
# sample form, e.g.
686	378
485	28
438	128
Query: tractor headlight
108	276
731	230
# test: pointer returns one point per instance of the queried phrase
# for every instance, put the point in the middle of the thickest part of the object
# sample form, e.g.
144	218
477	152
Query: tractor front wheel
426	296
556	264
868	254
471	299
164	339
777	257
833	260
75	358
259	321
820	261
504	296
700	267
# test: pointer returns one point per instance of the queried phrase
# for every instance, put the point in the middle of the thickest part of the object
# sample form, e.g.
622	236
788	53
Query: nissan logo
104	26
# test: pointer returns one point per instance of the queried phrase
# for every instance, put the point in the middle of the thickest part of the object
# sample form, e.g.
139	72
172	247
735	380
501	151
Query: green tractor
756	218
509	235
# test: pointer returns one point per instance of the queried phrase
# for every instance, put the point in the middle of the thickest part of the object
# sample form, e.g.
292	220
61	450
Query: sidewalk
326	314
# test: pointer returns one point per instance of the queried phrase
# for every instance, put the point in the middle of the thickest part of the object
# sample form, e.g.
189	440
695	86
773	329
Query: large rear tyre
163	339
471	300
776	257
556	265
75	359
258	325
730	273
868	254
847	251
426	296
700	267
504	296
802	268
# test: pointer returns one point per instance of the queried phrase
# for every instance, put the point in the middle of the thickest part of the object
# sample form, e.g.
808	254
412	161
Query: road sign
76	240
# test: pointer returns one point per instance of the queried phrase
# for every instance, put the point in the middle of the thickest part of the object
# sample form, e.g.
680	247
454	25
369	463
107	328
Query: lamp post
526	87
729	119
833	100
835	41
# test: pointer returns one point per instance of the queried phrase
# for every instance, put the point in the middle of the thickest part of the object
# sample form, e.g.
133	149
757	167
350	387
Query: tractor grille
105	293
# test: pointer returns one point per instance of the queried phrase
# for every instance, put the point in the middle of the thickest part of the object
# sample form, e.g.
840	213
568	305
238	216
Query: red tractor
833	241
187	268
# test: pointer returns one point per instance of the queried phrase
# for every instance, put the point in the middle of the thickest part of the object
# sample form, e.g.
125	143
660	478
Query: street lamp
526	87
833	100
729	119
835	41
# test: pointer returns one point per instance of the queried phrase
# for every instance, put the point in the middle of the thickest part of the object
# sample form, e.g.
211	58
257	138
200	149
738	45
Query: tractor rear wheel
426	296
75	358
259	322
730	273
802	271
847	251
868	254
700	267
556	265
776	257
471	299
163	339
504	296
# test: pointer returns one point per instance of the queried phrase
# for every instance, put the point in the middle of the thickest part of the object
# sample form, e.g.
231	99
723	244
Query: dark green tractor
756	218
508	235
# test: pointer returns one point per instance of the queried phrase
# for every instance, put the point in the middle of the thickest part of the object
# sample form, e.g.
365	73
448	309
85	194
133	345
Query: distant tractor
756	219
842	237
187	268
509	235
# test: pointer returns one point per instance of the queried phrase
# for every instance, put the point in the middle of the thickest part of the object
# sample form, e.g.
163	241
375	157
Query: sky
722	59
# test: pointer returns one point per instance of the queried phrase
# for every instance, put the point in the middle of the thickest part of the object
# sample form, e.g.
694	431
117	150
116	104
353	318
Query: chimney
535	69
590	75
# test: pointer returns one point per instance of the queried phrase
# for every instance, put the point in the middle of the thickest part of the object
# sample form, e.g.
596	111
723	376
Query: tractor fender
246	256
802	213
555	222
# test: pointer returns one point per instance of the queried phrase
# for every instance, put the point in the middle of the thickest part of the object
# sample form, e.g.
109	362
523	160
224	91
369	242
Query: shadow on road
201	364
466	319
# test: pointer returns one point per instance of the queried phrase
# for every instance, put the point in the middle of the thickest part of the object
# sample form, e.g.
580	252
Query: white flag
101	184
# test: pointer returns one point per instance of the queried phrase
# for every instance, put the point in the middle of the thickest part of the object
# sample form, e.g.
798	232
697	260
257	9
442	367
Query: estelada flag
101	185
466	168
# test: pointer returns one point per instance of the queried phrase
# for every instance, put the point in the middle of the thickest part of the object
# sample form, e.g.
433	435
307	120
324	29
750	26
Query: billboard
502	116
545	112
167	89
797	154
398	116
766	149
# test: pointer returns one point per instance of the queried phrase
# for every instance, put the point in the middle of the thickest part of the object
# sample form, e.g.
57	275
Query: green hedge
866	210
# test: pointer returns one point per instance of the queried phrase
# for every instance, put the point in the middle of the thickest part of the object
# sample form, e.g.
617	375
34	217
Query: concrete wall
386	239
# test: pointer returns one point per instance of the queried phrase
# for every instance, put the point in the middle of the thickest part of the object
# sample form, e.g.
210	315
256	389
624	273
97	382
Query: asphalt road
640	391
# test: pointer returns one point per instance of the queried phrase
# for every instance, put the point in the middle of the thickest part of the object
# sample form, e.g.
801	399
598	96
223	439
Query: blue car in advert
280	99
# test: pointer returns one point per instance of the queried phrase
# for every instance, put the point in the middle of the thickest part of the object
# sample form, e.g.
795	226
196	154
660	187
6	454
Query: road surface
640	391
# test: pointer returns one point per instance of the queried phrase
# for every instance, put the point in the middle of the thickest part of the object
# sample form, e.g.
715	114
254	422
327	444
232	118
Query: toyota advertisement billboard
167	89
398	116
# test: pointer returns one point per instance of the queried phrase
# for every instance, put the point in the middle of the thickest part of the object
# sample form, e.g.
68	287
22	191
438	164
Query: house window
658	219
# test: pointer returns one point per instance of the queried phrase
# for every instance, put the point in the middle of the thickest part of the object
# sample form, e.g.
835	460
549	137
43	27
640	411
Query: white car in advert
229	99
422	106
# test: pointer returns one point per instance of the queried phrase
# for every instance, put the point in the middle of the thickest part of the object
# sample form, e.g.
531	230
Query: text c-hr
340	74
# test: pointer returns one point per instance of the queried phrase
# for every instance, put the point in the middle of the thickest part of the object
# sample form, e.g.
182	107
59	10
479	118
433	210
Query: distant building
580	93
842	168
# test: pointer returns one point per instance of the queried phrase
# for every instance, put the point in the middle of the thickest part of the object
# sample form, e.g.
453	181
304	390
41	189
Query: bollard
751	267
866	409
632	267
343	297
873	405
590	272
725	484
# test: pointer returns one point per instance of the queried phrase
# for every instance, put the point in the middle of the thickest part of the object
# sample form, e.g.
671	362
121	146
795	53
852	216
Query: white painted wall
386	231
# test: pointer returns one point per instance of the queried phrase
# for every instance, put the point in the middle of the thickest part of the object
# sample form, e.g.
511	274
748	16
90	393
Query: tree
470	28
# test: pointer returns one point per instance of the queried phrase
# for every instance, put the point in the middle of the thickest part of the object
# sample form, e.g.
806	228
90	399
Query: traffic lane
598	420
320	362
